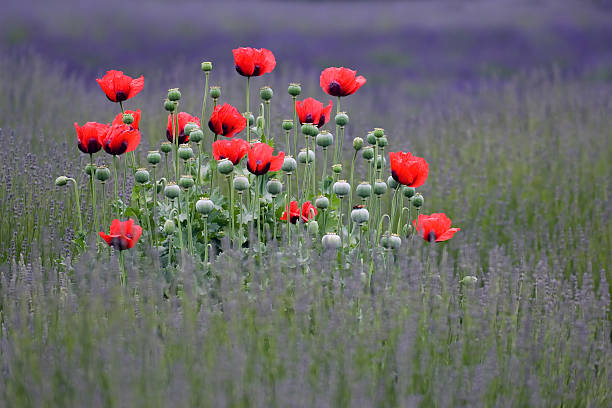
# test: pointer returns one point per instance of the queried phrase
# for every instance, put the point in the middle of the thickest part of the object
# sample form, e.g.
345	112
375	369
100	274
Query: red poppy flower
123	234
407	169
435	227
120	139
119	87
226	120
312	111
340	81
295	214
183	119
253	61
262	161
232	149
119	118
90	135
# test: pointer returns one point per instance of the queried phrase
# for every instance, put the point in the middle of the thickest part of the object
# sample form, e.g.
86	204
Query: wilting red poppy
90	135
232	149
120	139
312	111
340	81
123	234
119	118
435	227
226	120
119	87
183	119
295	214
407	169
253	61
261	160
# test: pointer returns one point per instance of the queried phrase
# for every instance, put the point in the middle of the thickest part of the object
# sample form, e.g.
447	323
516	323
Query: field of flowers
253	230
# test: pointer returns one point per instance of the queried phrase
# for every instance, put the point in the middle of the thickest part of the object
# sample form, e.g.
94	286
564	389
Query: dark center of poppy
334	89
225	129
321	121
118	150
119	243
120	96
394	175
258	162
308	118
256	70
431	237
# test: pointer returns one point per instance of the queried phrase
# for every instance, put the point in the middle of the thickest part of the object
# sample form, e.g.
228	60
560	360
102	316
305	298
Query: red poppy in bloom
407	169
123	234
435	227
119	87
232	149
120	139
295	214
119	118
90	135
262	161
340	81
312	111
183	119
226	120
253	61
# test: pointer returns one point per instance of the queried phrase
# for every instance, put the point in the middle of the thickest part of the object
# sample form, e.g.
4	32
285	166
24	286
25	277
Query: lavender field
509	103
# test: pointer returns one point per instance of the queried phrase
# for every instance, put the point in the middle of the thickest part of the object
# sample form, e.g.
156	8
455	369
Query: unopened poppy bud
186	181
287	124
159	186
189	127
250	118
324	139
392	183
260	122
185	152
196	135
418	200
322	202
409	192
141	176
153	157
166	147
357	143
266	93
380	187
61	181
309	129
337	168
364	189
102	174
303	156
274	187
381	160
342	119
204	206
225	167
294	89
407	230
90	169
241	183
382	141
206	66
215	92
128	118
341	188
172	191
169	227
469	280
289	165
331	241
379	132
360	215
169	105
313	227
174	94
368	153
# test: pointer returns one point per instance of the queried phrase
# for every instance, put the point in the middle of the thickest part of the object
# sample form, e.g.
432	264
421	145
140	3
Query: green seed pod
172	191
196	135
382	141
204	206
322	202
206	66
381	160
174	94
357	143
274	187
169	105
337	168
342	119
90	169
313	227
303	156
392	183
159	186
225	166
287	124
331	241
364	189
370	138
141	176
215	92
409	192
102	173
379	132
392	241
309	129
185	152
324	139
169	227
241	183
469	280
266	93
294	89
189	127
186	181
289	165
418	200
153	157
368	153
250	118
341	188
360	215
166	147
380	187
128	118
61	181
